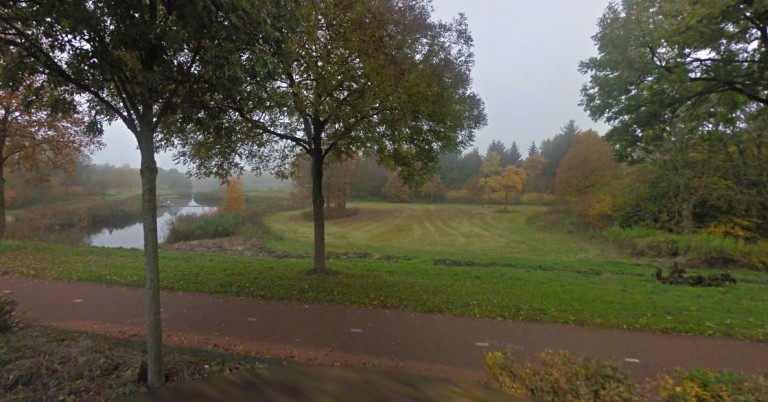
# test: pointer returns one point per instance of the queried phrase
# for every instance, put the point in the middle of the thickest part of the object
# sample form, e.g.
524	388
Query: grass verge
605	294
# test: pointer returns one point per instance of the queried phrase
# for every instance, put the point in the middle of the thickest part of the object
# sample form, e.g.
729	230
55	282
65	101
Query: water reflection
133	236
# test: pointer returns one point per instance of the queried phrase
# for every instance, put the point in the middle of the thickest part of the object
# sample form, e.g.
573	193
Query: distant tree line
82	179
689	185
501	174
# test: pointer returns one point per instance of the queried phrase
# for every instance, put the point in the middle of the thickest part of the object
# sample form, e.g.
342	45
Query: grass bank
69	223
619	294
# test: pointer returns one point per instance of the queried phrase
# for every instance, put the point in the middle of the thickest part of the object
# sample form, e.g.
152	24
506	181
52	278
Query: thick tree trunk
2	200
687	217
155	372
318	211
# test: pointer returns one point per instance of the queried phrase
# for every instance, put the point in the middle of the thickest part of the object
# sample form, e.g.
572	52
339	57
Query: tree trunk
318	212
344	185
2	200
687	217
155	372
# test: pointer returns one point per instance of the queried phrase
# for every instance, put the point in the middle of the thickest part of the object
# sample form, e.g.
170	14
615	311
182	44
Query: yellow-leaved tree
508	183
234	198
490	168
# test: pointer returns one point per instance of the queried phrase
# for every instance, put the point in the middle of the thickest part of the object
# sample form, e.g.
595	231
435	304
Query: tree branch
55	68
261	126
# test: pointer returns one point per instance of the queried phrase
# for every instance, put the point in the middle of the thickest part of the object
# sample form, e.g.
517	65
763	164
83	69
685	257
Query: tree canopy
586	167
36	137
704	62
343	76
134	61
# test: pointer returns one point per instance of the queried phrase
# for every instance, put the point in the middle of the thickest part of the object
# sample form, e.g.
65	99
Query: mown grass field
524	272
462	232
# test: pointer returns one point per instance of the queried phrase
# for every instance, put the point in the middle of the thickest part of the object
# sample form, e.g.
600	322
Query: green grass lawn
526	274
463	232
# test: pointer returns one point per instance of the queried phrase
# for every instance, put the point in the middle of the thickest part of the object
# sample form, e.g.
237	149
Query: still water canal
132	236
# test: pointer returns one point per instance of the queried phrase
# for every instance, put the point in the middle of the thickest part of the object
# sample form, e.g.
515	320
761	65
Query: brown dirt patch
224	344
226	245
332	214
363	215
370	214
243	247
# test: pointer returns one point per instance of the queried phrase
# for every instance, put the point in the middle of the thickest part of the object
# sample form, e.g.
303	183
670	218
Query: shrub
562	376
705	385
700	248
38	223
253	226
234	198
460	196
7	311
209	197
206	226
537	199
332	213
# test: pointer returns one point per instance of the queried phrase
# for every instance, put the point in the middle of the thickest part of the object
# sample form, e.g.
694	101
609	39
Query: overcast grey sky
526	55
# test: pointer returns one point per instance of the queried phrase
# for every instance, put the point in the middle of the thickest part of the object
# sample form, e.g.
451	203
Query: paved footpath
437	344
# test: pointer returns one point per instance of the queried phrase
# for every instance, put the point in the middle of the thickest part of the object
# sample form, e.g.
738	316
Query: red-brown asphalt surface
445	345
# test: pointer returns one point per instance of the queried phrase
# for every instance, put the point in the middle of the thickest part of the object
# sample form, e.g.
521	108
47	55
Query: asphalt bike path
323	333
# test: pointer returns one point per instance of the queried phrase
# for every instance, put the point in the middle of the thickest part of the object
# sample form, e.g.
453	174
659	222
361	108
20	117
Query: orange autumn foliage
584	175
234	198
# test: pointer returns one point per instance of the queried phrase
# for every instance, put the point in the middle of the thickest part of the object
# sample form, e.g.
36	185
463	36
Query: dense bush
700	248
209	197
206	226
247	223
537	199
562	376
332	213
460	196
705	385
101	213
7	311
